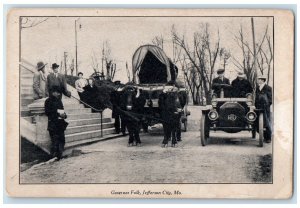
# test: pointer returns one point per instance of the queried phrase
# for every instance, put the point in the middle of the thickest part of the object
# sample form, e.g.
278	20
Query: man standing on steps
39	82
57	80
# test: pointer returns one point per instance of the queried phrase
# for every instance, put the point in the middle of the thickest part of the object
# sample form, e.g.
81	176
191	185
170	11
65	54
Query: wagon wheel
261	130
203	130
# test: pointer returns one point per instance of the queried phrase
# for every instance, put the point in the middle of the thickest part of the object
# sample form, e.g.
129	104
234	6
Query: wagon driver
221	79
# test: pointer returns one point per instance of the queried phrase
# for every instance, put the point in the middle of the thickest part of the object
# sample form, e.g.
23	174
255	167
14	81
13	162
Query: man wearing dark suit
263	100
241	86
115	100
90	94
54	109
220	80
57	80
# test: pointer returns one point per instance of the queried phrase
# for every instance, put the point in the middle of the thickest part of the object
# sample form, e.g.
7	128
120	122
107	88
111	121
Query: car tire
202	129
261	129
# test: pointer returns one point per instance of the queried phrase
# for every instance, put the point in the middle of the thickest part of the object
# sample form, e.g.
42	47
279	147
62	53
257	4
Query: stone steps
72	105
26	101
26	90
89	127
81	122
26	96
88	135
83	116
77	110
84	126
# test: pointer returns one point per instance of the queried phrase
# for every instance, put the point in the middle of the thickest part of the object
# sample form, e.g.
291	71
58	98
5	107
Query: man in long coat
39	82
263	101
54	109
241	86
58	80
221	79
115	100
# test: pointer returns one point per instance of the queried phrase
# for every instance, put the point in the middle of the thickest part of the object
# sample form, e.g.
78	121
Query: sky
49	40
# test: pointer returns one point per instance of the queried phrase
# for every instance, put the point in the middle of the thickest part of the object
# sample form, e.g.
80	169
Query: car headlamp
213	115
251	116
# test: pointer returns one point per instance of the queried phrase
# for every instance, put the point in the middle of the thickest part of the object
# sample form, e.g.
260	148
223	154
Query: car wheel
203	130
261	129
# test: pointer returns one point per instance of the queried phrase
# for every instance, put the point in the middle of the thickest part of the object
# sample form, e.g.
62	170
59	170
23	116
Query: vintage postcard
150	103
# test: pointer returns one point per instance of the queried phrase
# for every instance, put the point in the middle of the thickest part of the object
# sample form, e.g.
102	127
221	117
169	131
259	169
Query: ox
131	107
170	111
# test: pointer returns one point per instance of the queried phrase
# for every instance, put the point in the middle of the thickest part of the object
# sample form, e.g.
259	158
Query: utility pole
254	46
102	60
254	61
76	64
65	61
60	69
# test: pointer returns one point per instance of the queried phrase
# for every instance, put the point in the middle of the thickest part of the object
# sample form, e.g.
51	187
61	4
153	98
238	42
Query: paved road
224	160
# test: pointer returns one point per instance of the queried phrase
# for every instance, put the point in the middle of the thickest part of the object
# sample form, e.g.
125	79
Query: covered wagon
154	72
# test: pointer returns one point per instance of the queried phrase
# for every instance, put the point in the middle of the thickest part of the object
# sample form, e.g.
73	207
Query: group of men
54	85
240	87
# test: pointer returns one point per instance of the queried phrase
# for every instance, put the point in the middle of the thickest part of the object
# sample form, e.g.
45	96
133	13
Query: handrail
26	67
95	109
27	62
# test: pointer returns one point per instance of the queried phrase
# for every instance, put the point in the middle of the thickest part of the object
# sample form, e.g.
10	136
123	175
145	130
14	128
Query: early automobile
232	115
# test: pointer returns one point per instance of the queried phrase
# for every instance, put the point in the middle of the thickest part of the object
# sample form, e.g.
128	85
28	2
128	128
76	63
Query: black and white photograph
147	99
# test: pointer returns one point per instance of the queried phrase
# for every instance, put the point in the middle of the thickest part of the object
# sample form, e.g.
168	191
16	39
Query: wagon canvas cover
150	65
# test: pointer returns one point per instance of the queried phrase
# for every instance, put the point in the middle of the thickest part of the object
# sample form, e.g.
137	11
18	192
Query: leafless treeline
201	57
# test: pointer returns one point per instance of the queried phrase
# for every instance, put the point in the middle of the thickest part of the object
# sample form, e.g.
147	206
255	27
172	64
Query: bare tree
95	63
108	60
104	62
254	59
28	22
158	41
202	57
224	56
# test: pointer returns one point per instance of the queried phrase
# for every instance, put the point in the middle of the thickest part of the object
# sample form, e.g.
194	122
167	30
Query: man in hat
79	85
241	86
54	109
39	82
115	100
218	81
58	80
263	101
